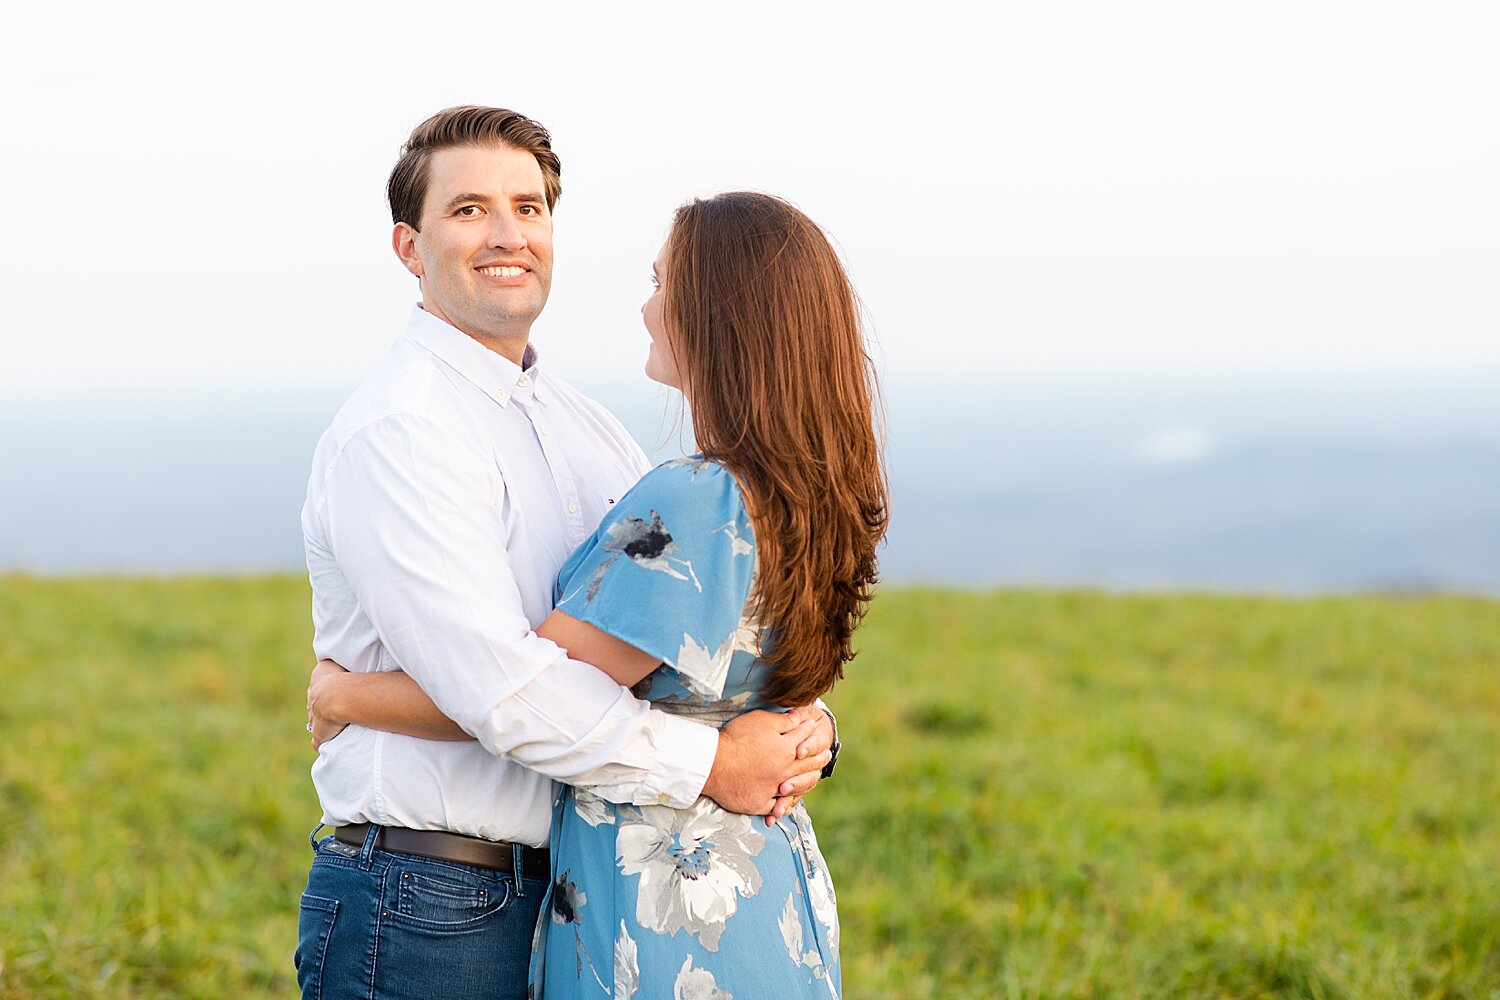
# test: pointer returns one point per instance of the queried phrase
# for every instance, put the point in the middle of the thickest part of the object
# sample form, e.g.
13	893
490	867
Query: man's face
484	249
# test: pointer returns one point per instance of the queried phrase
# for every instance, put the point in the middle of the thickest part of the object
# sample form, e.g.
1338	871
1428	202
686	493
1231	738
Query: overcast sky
197	190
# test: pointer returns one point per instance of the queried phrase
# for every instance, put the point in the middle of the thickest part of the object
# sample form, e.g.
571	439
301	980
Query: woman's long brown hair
764	329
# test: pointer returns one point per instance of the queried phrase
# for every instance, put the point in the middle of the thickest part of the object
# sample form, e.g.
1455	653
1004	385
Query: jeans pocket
439	903
314	928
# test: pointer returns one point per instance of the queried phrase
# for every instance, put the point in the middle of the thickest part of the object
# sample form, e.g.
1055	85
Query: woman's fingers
802	732
784	805
323	730
822	737
801	784
793	789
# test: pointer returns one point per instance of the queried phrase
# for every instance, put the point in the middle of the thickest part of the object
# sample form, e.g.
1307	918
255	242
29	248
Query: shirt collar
496	376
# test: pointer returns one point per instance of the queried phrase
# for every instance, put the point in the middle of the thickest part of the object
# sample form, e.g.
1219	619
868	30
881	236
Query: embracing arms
410	564
795	744
765	762
403	524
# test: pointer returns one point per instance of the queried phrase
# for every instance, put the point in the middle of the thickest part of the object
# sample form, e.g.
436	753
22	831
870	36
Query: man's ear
404	242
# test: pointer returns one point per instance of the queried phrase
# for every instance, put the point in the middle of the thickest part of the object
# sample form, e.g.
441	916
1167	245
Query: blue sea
1291	484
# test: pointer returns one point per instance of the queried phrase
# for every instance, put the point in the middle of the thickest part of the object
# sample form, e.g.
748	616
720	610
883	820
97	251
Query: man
443	500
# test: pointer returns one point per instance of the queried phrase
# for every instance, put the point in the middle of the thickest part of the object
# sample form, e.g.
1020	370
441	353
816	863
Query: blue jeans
376	925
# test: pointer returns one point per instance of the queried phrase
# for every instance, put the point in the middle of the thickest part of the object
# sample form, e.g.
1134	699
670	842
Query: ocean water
1285	484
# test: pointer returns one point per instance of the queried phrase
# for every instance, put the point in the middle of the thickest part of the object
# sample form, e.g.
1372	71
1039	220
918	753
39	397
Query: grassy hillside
1045	794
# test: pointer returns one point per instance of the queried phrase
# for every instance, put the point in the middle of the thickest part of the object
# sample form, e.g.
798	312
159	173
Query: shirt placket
557	463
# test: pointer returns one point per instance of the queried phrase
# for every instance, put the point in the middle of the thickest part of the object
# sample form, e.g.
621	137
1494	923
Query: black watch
833	750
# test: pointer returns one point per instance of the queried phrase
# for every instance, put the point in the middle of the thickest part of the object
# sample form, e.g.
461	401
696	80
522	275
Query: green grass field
1045	794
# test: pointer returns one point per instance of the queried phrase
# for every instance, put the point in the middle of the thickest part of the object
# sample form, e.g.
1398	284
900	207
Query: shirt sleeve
416	533
669	571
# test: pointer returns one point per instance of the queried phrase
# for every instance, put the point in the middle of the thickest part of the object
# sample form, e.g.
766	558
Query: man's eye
468	211
529	210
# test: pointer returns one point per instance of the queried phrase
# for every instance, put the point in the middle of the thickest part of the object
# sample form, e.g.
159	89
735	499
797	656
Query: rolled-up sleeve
414	524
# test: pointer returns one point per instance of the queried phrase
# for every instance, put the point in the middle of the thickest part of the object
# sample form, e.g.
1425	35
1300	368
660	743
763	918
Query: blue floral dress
656	902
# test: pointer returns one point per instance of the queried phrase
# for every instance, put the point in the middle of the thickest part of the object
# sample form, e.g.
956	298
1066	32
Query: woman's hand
817	746
321	698
388	700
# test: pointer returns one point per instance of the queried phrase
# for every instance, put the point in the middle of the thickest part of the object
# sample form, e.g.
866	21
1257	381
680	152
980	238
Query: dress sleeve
669	570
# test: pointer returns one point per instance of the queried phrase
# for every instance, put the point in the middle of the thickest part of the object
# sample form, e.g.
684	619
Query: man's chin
507	322
504	325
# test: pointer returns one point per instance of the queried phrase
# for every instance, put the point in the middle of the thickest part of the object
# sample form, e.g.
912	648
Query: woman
721	583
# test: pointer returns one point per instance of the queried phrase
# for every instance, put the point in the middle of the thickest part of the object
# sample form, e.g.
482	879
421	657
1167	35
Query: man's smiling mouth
507	271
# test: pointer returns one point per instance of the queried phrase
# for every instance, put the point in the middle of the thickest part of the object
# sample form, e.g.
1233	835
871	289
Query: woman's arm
391	701
619	659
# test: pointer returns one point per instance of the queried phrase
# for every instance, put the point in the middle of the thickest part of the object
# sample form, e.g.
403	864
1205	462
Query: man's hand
758	756
320	722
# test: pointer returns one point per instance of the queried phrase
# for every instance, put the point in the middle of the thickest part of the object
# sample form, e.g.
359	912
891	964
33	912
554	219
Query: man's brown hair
764	328
466	125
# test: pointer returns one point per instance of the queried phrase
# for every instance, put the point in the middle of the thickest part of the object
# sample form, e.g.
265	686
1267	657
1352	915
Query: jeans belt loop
367	850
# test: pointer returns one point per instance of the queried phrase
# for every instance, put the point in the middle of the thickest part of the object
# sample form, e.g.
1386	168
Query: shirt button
572	507
523	380
542	431
503	395
664	798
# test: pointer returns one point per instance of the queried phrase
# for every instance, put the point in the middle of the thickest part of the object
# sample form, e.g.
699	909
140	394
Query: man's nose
505	232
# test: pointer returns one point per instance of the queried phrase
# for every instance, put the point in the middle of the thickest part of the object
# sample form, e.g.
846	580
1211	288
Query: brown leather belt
500	855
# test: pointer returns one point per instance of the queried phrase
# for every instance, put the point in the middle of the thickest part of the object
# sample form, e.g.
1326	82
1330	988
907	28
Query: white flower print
819	882
702	670
746	638
825	907
627	967
791	929
697	984
737	545
791	934
590	808
694	865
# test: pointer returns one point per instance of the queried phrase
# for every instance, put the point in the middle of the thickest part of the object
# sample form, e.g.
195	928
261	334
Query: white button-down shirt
443	500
